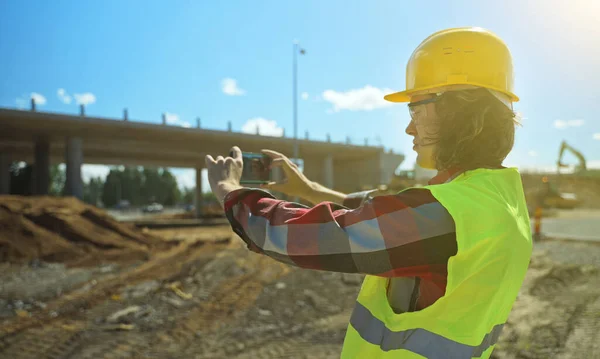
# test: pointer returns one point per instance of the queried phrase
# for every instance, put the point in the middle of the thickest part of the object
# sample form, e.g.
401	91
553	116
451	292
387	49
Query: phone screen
257	168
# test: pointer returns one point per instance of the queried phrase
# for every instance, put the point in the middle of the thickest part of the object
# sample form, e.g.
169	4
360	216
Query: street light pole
297	50
295	94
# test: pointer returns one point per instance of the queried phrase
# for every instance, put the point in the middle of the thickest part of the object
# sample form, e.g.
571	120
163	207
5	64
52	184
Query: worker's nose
411	129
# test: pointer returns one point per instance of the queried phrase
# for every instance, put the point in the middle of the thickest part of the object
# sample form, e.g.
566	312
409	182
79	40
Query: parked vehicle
153	208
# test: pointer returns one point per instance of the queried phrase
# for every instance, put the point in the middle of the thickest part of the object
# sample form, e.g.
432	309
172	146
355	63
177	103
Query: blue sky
231	61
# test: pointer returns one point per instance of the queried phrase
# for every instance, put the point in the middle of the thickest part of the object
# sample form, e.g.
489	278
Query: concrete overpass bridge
45	138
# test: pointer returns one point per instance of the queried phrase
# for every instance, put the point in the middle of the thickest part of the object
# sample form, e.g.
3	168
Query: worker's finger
220	158
292	164
286	165
209	160
236	153
276	156
272	154
278	162
283	163
274	186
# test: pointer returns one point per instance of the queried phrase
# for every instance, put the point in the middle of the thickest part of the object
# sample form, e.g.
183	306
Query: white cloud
363	99
230	87
85	99
597	136
173	119
265	127
304	95
562	124
532	153
38	98
24	100
91	171
63	96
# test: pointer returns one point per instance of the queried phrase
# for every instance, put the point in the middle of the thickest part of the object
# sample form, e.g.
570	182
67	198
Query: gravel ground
570	252
231	303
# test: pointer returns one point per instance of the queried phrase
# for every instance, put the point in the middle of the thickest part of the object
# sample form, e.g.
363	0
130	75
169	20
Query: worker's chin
425	162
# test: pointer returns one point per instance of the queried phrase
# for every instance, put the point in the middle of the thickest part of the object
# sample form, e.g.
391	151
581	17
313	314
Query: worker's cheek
428	133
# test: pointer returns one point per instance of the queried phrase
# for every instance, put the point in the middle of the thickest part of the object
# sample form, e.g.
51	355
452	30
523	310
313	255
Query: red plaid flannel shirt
409	234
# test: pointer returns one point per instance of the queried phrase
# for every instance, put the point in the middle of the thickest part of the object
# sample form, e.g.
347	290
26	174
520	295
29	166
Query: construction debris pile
67	230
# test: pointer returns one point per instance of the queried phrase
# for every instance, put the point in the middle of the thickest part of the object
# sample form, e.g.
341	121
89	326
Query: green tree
170	191
57	180
152	184
112	188
209	196
92	191
132	182
140	186
21	175
188	194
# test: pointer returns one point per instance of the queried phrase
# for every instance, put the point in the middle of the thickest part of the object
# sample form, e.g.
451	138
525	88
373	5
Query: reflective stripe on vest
422	342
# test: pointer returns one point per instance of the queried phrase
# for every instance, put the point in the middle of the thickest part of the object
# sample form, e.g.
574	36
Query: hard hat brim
404	96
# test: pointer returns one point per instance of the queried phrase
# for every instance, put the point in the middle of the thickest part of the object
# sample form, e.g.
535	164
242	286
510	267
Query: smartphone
257	168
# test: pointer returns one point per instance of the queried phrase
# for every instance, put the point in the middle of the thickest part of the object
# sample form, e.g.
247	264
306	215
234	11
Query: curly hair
476	130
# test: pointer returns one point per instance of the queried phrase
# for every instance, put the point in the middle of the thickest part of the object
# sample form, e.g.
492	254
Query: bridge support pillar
4	173
198	195
41	168
74	161
328	171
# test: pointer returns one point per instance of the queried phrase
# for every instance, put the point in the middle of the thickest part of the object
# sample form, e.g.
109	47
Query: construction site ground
199	293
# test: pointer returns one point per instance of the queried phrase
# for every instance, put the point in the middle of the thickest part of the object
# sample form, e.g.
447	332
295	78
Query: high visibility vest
484	277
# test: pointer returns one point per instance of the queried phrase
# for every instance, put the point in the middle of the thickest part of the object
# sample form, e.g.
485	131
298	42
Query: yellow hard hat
461	56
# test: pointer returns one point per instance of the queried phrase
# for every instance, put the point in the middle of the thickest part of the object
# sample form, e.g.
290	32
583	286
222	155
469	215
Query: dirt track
231	303
557	314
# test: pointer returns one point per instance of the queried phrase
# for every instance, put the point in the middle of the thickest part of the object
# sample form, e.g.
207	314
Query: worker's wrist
311	191
223	189
317	193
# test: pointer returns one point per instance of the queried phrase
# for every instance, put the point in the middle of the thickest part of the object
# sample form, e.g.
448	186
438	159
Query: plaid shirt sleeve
356	199
408	234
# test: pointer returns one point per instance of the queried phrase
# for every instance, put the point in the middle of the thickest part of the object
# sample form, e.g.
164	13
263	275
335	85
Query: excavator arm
566	147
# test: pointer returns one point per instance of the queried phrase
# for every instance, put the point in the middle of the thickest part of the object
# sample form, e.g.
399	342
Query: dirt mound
67	230
183	215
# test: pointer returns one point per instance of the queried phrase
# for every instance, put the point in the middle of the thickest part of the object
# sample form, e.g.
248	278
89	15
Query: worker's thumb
274	186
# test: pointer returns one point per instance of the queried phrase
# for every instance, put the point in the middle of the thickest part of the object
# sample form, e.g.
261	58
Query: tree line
137	185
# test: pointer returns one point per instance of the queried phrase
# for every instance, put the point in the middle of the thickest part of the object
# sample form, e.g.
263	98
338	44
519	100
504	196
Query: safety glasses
413	107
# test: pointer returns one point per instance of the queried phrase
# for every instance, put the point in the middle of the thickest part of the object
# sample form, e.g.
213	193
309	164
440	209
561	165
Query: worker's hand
295	183
224	173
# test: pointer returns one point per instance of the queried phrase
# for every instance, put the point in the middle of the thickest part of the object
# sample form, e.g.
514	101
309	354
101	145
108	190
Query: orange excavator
580	168
549	194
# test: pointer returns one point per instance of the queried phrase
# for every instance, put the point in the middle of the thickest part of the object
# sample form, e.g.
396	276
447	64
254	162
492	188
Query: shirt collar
445	176
449	175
